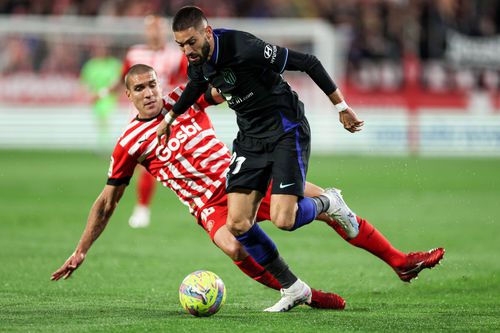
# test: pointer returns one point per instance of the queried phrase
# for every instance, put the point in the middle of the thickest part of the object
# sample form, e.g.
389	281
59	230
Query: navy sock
258	244
306	213
279	269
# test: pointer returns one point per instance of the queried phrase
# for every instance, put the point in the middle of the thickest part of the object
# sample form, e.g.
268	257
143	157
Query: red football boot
417	261
323	300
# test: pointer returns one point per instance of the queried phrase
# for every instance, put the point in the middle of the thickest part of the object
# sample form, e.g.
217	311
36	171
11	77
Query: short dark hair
187	17
137	69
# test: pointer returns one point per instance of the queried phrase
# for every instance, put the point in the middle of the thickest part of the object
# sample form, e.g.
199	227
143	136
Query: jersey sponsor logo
286	185
229	76
270	52
174	143
235	100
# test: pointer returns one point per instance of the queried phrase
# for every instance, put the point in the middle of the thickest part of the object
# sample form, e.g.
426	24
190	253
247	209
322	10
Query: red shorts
214	214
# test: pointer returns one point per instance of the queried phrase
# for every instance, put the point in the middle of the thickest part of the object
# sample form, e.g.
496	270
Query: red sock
254	270
374	242
145	188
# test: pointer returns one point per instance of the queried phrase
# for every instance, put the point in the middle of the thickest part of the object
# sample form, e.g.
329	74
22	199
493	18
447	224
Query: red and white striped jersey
193	163
169	63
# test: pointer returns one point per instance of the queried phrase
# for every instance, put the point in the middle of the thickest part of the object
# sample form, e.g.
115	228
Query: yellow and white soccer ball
202	293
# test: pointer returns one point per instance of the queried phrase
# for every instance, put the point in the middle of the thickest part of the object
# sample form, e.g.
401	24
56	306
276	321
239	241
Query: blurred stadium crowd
382	35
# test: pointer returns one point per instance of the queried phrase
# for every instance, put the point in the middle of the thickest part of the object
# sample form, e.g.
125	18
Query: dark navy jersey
247	72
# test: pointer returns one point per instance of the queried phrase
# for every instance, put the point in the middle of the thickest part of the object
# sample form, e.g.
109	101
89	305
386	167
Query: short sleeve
121	167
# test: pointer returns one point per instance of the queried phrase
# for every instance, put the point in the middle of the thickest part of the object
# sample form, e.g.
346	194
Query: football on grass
202	293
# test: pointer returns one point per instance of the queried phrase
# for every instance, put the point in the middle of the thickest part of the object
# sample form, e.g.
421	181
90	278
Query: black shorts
256	162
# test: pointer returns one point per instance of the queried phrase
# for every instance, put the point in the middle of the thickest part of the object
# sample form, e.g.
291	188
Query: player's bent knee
284	211
283	221
238	227
229	245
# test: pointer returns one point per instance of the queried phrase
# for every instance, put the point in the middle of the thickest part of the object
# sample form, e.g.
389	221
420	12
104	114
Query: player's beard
205	50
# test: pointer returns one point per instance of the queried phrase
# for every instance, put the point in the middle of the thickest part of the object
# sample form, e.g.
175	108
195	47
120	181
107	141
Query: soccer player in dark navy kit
273	142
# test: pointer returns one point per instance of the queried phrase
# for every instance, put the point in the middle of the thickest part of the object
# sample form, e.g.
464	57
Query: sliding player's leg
407	266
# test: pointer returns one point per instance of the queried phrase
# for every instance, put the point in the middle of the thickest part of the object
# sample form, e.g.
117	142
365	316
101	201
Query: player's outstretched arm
99	215
313	67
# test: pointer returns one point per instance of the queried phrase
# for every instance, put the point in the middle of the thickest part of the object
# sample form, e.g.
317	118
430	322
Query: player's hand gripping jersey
193	164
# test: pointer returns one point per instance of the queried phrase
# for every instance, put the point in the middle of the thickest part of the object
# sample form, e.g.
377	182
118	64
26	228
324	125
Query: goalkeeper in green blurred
100	72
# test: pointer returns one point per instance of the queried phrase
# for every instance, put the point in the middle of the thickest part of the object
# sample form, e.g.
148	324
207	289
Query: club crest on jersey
183	133
229	76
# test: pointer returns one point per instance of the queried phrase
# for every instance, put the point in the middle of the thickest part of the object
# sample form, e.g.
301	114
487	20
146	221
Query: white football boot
298	293
140	217
339	211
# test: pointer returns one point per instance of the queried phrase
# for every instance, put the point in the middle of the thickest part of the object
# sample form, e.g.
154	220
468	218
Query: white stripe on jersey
178	175
191	169
132	123
169	100
175	172
215	156
148	150
178	91
140	142
218	183
178	188
213	142
217	165
200	136
134	133
194	186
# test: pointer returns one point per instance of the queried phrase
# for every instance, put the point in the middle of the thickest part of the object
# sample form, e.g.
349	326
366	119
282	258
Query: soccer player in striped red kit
194	164
171	67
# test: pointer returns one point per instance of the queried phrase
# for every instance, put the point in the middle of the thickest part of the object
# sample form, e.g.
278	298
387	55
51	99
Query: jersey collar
162	112
215	55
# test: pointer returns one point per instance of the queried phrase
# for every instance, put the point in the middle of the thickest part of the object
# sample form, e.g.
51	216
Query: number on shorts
239	161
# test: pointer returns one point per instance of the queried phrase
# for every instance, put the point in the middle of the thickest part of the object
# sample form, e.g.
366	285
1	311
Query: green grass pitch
130	278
